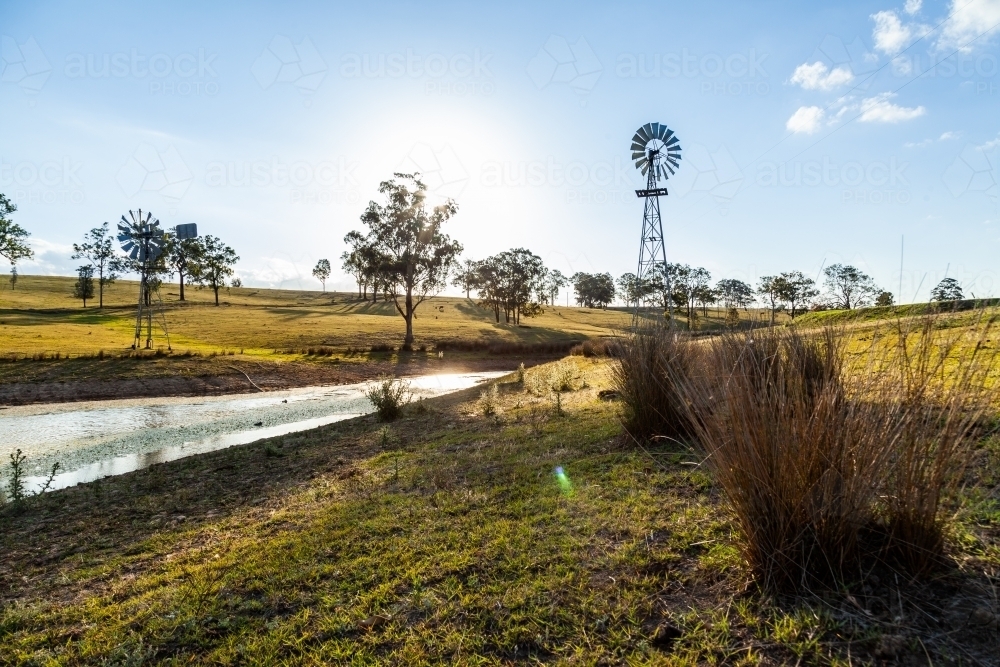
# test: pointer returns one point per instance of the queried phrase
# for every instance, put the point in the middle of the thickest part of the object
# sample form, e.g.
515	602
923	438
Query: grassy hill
41	316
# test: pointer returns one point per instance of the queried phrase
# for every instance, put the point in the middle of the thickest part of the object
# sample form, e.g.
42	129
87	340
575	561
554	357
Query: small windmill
142	240
657	153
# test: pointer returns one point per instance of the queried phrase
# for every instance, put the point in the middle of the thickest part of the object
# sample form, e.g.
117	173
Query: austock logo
976	169
286	62
558	61
23	64
151	170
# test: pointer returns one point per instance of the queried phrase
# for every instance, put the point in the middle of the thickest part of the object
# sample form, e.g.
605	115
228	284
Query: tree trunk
180	274
100	287
408	316
216	288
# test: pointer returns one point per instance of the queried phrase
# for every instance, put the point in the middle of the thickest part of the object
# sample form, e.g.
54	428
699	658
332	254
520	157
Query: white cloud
913	6
968	21
890	35
805	120
879	109
51	259
946	136
818	77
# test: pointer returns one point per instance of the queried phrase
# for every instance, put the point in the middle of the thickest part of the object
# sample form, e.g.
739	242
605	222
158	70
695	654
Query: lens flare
562	478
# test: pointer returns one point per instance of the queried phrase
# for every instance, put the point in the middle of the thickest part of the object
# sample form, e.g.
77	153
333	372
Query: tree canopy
13	244
413	254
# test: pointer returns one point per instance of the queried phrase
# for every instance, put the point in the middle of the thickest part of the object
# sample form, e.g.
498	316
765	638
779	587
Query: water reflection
102	438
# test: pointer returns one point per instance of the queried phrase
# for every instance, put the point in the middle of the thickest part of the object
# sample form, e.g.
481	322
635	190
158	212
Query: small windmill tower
657	153
143	240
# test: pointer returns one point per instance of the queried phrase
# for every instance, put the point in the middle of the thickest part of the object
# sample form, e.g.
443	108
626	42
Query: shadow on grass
117	516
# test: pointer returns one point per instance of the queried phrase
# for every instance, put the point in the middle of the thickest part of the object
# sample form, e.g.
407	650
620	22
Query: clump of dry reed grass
653	364
829	455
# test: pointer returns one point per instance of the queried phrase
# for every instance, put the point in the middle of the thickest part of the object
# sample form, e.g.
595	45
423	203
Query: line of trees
205	261
846	287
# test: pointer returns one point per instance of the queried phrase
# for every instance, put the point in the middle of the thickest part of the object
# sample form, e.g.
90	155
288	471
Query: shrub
562	376
814	447
489	401
389	396
652	365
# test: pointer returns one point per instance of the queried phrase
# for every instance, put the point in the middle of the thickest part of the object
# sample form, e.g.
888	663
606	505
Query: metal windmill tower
143	240
657	153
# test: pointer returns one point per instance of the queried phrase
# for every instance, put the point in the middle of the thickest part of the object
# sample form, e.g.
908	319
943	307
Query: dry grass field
41	316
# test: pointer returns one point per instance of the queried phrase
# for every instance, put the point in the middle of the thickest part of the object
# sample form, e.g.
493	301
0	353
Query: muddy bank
63	383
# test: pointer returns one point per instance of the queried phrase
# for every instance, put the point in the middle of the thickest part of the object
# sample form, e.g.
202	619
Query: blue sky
810	136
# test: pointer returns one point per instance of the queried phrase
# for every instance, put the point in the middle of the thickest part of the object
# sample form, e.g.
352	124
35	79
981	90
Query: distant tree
322	271
770	288
353	263
796	290
947	290
553	282
849	287
13	277
670	281
884	299
593	290
182	256
627	288
523	273
705	295
489	285
465	277
84	287
734	293
416	255
507	281
215	264
13	246
98	248
687	283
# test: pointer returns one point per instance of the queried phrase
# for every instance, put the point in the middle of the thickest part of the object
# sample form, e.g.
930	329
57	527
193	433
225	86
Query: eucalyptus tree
796	289
321	271
465	276
770	288
848	286
183	256
215	264
553	282
98	248
734	293
947	290
416	255
84	287
13	237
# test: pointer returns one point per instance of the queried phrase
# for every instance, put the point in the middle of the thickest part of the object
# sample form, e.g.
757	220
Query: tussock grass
652	365
818	447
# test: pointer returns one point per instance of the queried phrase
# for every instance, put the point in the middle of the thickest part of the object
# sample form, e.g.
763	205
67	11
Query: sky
815	133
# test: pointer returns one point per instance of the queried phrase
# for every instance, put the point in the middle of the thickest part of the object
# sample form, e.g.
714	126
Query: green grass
452	540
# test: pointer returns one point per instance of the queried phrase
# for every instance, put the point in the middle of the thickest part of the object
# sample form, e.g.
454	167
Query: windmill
657	153
143	240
